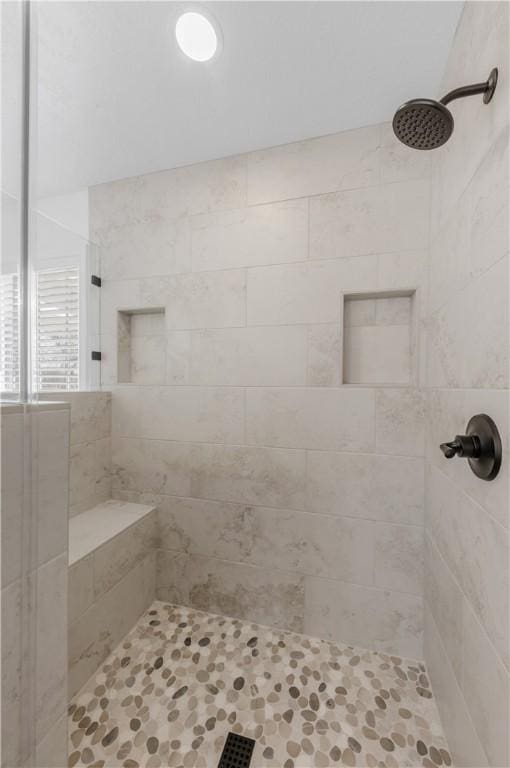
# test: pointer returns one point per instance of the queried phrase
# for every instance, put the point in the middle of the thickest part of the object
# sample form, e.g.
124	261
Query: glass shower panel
65	310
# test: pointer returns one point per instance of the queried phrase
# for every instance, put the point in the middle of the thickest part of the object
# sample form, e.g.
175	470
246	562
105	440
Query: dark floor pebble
421	748
387	744
152	745
110	737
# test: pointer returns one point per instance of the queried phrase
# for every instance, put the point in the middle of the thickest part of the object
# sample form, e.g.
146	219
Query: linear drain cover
237	752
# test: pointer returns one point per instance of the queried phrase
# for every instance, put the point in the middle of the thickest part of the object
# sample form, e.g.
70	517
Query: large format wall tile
200	300
463	740
326	164
373	618
262	234
248	356
232	589
328	419
386	488
97	631
200	414
477	551
250	475
362	221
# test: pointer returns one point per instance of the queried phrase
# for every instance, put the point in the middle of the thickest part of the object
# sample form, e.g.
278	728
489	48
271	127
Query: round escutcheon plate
487	466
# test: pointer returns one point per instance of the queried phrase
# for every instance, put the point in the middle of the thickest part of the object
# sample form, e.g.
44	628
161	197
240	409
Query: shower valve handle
465	446
481	446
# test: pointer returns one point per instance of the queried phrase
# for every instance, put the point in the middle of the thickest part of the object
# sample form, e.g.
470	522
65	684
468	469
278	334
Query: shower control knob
481	446
465	446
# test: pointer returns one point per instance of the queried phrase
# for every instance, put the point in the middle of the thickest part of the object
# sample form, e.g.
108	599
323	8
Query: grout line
270	508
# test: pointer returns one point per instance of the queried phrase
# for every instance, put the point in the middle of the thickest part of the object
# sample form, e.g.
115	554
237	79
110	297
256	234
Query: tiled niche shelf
141	340
379	338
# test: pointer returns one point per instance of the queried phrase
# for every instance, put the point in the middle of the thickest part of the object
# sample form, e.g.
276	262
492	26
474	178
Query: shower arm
487	89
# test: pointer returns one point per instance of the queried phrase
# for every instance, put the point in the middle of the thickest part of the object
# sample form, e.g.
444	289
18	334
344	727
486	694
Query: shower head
427	124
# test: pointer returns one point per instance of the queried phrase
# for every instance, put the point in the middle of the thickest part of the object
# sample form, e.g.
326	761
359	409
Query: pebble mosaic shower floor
182	679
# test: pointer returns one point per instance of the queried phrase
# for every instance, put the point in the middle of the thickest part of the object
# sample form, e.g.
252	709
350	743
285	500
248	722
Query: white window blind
9	333
57	353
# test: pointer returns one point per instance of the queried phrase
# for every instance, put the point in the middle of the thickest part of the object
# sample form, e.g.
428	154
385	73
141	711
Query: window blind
9	333
57	353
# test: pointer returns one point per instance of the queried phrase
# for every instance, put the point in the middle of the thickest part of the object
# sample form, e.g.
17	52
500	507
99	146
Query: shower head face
423	124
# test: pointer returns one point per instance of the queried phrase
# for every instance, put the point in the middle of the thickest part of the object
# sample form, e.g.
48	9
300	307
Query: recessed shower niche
141	340
379	338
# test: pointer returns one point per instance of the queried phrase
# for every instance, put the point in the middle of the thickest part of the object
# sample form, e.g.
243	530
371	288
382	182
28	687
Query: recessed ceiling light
196	36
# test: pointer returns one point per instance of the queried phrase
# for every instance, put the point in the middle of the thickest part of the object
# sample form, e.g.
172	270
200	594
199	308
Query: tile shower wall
90	460
284	497
34	583
467	520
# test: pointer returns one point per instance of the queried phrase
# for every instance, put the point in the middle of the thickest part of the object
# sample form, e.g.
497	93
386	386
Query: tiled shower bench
111	581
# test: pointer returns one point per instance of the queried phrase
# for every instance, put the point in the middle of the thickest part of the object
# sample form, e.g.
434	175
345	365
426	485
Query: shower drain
237	752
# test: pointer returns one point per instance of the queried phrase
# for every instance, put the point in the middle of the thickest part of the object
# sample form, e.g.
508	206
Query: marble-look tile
50	479
82	474
94	635
178	357
51	752
160	246
377	354
126	411
103	488
249	356
250	475
400	421
464	743
362	221
209	186
199	300
290	294
399	558
11	690
334	547
236	590
80	587
444	599
116	296
477	551
147	360
488	206
262	234
379	619
217	185
12	497
156	466
198	414
339	161
480	42
387	488
90	414
464	352
117	557
486	688
324	355
95	527
51	634
448	412
328	419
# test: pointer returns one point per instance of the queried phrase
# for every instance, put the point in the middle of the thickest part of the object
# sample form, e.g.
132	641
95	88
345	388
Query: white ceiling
116	97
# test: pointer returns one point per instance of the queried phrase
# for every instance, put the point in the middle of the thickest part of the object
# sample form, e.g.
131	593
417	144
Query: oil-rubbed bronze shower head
427	124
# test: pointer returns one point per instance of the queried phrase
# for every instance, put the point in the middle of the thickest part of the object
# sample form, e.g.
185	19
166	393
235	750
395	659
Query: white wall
467	519
284	497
